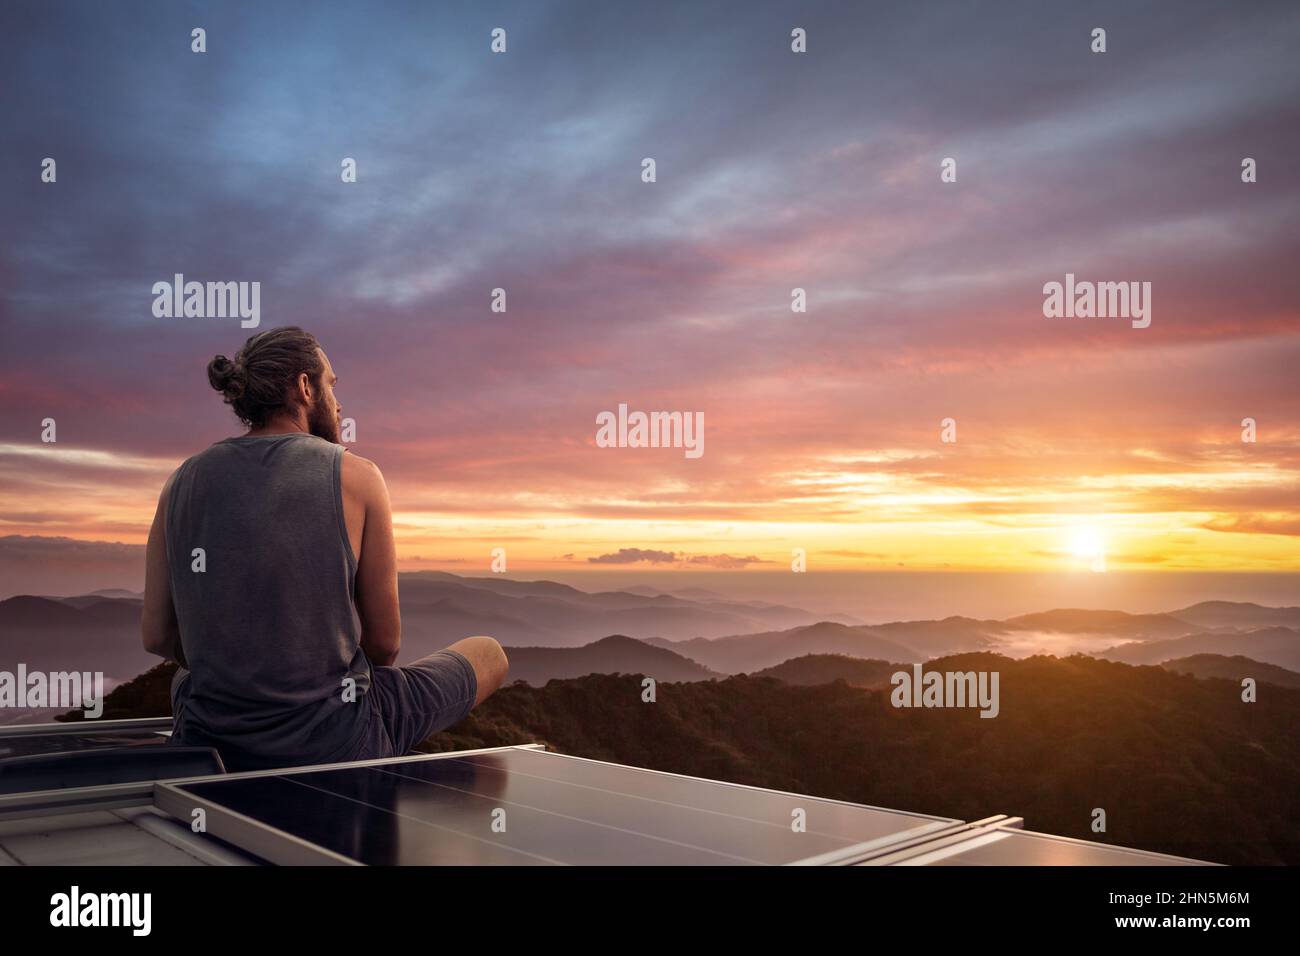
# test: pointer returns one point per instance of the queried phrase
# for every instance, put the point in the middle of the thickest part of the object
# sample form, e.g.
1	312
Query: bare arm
376	582
158	627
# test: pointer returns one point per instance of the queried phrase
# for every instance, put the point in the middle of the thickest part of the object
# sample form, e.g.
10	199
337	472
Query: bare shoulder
167	489
361	476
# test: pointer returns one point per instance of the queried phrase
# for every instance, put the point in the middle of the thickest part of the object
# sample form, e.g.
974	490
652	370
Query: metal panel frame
347	764
883	844
1154	855
40	803
955	837
85	727
924	838
252	836
957	842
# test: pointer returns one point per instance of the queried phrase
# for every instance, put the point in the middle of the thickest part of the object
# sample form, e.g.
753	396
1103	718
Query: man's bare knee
489	661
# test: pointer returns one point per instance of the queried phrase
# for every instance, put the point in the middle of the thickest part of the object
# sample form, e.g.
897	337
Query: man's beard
323	422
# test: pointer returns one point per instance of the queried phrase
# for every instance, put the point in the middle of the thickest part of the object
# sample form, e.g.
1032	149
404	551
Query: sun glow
1088	545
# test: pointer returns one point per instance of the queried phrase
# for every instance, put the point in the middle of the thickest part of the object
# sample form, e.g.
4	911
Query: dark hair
256	384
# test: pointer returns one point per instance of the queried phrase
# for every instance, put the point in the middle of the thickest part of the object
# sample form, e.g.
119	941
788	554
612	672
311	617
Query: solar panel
29	740
522	806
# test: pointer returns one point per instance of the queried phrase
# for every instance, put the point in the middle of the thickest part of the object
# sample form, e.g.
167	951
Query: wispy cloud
821	172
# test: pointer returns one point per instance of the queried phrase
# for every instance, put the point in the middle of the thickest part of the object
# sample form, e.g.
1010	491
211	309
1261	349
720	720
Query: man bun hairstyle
225	377
256	383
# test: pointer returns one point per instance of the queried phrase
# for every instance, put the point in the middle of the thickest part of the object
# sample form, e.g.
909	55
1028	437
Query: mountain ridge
100	631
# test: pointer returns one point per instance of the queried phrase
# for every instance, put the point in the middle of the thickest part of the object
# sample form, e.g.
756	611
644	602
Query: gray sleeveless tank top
268	626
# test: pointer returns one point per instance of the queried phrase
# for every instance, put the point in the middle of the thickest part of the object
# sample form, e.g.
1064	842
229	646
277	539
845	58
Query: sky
1081	443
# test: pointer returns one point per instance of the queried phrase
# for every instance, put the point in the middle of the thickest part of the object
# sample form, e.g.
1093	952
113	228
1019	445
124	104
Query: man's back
268	627
271	579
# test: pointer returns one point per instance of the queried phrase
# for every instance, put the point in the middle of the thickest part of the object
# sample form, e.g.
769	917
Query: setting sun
1087	544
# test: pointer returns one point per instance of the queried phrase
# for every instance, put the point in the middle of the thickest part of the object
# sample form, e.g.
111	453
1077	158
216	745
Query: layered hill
745	653
1271	645
1233	668
557	631
610	655
813	669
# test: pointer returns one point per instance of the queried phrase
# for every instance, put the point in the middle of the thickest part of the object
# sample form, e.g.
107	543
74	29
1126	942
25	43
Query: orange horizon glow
923	508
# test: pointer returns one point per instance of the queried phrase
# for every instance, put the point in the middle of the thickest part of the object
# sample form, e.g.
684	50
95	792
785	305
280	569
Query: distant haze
62	566
555	630
879	597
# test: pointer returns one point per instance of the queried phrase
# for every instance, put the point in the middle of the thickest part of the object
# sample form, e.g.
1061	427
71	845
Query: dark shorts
411	701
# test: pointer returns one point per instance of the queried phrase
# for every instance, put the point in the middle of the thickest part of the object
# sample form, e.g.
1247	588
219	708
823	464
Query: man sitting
271	578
